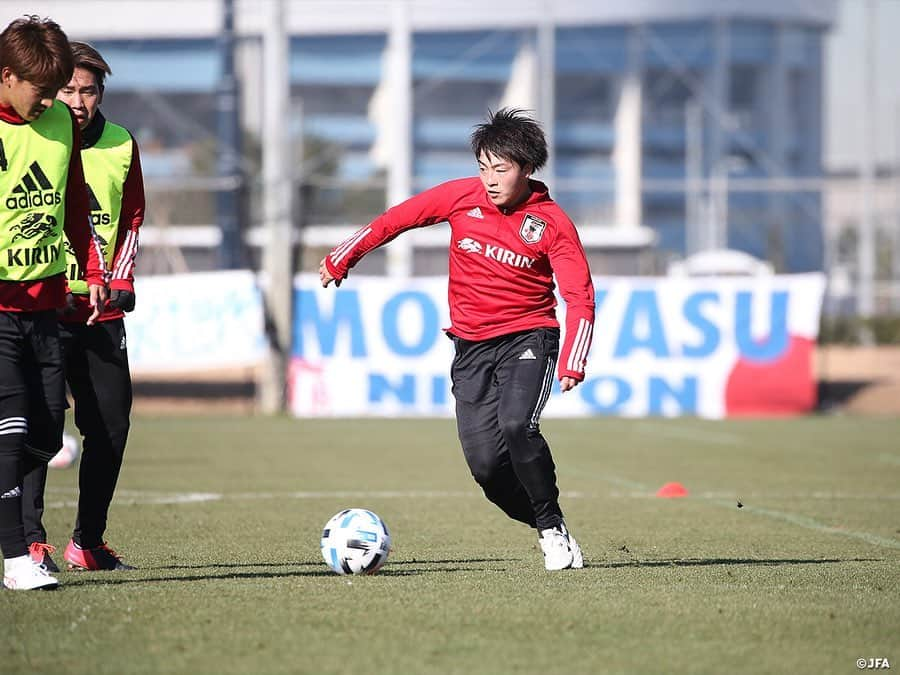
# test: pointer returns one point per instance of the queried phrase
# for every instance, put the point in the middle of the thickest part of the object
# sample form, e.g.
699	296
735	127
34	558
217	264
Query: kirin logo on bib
532	229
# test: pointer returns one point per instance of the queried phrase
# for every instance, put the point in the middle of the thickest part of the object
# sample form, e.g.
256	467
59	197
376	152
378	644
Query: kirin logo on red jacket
494	252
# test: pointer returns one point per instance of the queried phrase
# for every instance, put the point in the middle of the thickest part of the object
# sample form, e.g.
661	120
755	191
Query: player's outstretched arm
426	208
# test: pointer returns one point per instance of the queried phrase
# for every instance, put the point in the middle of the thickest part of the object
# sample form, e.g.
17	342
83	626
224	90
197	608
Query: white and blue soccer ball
355	541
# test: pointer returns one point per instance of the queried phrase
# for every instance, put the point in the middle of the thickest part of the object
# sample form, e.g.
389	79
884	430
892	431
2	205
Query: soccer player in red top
509	241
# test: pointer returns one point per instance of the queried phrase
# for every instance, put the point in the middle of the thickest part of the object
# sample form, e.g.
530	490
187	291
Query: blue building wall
737	71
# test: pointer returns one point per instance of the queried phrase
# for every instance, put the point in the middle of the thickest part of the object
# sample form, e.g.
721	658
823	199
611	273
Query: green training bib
34	171
106	166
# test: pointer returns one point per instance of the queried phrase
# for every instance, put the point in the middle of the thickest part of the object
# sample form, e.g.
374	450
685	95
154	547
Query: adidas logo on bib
34	190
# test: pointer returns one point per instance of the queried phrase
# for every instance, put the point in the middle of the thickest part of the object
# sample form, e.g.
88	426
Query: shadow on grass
402	568
290	563
711	562
79	579
211	565
457	561
118	578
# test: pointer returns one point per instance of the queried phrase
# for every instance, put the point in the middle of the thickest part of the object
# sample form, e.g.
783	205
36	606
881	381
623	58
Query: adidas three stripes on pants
32	411
501	386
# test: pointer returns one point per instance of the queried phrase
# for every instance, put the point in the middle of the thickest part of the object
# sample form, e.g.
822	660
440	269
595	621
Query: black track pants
501	386
32	410
96	366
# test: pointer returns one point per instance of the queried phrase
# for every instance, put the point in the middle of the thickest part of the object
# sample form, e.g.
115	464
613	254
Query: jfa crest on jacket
532	229
502	263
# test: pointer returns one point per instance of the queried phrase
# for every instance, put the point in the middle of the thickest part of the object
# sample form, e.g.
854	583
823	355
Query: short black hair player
510	241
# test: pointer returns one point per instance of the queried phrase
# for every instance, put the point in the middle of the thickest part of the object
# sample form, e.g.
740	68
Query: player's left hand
121	299
568	383
98	301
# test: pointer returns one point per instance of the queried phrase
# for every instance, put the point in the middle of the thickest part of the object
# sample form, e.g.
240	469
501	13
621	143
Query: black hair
89	58
510	133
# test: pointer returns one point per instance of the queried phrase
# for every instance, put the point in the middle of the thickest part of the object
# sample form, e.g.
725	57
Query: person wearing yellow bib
95	356
43	203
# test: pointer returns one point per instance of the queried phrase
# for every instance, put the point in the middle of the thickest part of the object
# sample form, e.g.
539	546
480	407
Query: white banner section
195	322
710	347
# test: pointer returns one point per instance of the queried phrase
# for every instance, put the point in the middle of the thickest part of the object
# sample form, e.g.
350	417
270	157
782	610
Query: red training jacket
50	293
502	263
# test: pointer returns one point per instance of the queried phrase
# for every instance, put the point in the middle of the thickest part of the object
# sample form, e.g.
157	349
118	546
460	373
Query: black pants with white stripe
96	365
501	386
32	410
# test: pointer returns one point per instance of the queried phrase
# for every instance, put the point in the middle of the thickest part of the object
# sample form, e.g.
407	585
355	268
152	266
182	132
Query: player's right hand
99	295
325	276
568	383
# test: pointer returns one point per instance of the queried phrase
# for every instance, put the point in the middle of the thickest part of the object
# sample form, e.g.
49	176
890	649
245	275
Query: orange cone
672	490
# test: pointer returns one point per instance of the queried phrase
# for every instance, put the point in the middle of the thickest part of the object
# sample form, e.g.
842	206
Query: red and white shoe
40	553
100	557
23	574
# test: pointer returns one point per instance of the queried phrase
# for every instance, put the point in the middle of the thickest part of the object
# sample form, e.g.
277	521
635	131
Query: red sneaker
100	557
40	553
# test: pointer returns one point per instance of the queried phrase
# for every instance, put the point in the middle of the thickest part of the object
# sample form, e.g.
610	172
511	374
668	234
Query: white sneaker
577	557
24	574
560	551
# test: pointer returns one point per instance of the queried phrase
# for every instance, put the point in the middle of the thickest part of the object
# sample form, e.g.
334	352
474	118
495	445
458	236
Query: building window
745	95
334	80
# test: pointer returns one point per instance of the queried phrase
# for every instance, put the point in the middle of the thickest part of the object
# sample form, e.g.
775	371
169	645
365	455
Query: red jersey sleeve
426	208
131	217
570	267
78	226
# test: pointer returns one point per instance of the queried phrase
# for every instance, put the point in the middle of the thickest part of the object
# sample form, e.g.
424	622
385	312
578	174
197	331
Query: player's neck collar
93	131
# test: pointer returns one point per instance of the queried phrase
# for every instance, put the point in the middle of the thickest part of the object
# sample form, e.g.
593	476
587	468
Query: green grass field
223	517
